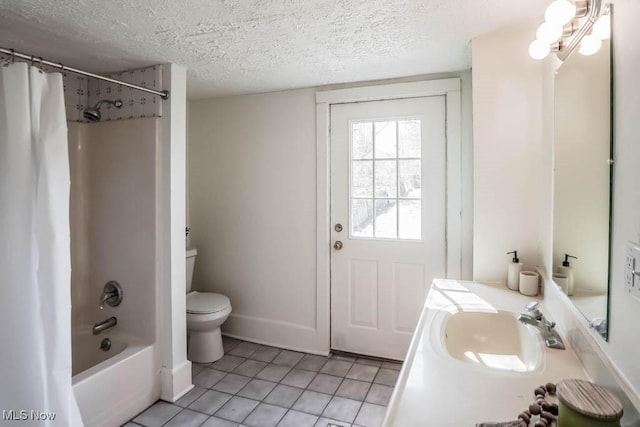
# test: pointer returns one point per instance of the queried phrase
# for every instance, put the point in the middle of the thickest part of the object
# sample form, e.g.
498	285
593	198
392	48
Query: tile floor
261	386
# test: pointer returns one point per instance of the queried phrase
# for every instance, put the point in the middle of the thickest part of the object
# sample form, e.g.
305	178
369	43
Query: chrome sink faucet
534	317
103	326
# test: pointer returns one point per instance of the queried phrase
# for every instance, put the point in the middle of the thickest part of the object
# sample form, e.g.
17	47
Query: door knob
337	245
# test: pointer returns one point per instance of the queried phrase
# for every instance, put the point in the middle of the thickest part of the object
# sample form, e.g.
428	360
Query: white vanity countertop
434	389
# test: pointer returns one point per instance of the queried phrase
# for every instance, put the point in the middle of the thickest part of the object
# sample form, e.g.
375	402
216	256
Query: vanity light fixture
590	44
602	27
549	33
571	24
560	12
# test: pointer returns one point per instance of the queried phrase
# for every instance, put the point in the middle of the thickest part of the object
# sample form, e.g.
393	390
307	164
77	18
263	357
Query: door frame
450	88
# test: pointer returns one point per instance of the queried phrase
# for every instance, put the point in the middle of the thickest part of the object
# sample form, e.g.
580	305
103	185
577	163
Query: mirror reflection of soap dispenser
567	270
513	272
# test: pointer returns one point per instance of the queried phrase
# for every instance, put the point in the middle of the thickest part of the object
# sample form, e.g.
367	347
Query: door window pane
386	178
409	138
410	181
386	219
410	219
362	178
385	140
362	140
362	217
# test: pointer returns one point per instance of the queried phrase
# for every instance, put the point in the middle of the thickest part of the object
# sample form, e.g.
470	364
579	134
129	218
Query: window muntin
386	179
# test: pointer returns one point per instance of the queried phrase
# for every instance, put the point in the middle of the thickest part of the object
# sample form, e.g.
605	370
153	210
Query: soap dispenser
567	270
513	272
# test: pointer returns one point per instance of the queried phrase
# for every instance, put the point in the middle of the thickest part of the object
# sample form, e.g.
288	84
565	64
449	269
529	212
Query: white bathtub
112	387
87	352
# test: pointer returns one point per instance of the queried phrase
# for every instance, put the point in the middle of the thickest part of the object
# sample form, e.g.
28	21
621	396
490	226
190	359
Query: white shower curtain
35	266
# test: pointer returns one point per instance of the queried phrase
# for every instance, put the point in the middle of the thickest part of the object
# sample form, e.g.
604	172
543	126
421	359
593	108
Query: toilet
206	312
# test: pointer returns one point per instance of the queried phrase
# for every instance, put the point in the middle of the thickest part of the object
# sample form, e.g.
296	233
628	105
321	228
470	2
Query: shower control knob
111	294
337	245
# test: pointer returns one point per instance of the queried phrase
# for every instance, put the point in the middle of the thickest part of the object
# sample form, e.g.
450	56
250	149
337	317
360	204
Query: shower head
93	113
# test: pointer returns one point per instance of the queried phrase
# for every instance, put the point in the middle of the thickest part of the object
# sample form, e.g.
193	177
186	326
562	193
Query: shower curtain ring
10	59
34	63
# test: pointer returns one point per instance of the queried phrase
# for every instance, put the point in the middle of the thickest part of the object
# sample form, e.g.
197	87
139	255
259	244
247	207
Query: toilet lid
206	302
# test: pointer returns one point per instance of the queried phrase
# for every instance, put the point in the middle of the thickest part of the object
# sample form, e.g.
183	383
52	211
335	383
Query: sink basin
496	340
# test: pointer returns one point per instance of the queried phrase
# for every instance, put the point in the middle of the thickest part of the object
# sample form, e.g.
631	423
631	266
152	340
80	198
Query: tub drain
105	344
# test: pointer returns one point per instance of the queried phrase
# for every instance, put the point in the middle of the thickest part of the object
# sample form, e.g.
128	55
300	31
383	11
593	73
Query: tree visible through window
386	179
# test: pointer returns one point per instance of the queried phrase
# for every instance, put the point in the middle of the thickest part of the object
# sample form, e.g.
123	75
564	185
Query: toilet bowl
206	312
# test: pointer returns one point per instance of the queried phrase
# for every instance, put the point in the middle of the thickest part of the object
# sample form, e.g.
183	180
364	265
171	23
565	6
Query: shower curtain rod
36	60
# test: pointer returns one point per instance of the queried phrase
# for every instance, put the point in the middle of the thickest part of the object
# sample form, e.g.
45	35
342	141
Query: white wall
253	213
175	375
252	207
545	239
79	225
624	347
467	167
507	108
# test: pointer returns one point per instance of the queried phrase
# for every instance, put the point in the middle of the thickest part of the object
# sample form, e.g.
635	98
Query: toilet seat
206	302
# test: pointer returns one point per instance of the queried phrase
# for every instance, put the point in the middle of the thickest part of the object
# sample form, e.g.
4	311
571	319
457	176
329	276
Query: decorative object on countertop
567	270
547	411
585	404
513	272
529	283
540	408
515	423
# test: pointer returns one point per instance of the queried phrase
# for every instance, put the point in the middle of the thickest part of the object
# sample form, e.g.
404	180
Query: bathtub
112	387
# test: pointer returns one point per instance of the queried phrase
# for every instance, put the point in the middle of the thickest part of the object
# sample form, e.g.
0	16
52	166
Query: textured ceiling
247	46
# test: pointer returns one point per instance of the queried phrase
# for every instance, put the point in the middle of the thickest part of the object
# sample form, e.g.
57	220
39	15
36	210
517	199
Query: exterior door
388	219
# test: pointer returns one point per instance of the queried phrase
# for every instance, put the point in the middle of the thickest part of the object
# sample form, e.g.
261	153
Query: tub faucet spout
103	326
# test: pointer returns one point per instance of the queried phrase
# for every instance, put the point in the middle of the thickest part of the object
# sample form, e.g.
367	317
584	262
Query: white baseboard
175	382
276	333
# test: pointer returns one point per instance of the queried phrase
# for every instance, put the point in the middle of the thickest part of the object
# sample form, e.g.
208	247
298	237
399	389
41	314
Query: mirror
582	183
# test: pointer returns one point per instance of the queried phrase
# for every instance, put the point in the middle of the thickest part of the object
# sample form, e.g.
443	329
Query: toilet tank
191	259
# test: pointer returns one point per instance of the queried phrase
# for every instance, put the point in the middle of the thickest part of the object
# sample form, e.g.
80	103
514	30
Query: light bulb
589	45
560	12
549	33
602	27
539	49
